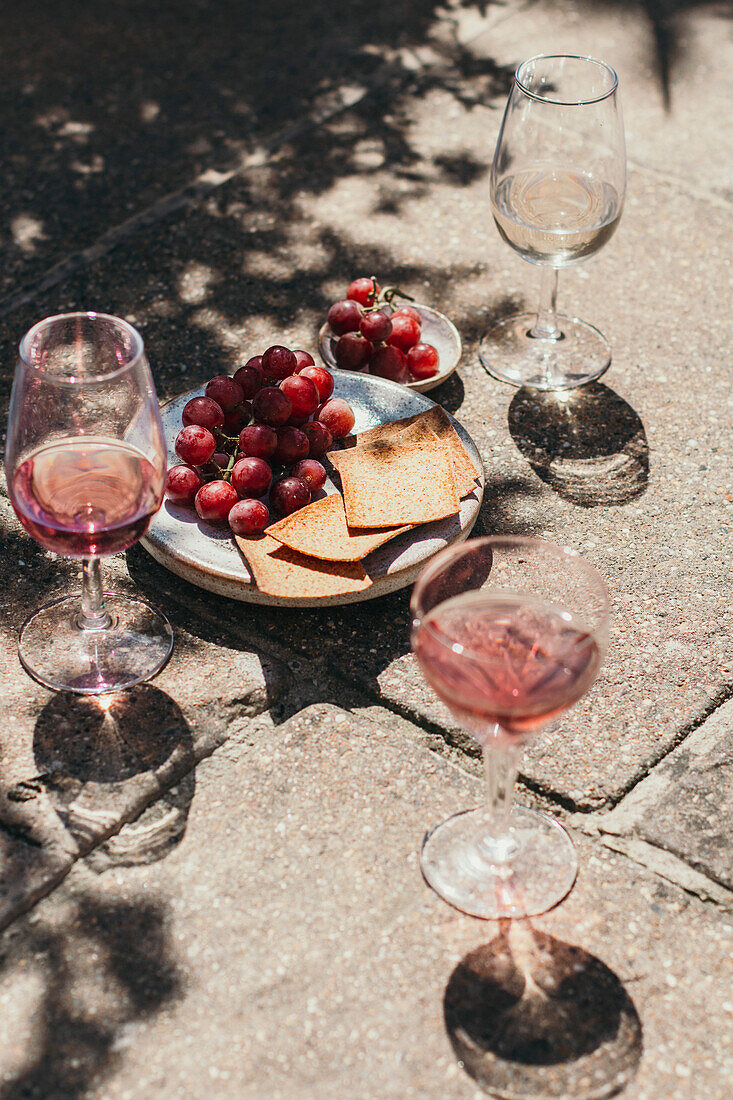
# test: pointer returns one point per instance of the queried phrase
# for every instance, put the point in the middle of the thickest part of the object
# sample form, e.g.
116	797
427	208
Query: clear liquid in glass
555	216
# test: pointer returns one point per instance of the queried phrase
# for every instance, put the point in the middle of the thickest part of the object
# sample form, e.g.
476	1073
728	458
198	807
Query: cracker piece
438	421
280	571
388	484
404	432
321	531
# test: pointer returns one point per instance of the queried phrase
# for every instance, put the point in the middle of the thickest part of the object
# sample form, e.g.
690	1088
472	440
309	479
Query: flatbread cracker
388	484
320	530
437	420
280	571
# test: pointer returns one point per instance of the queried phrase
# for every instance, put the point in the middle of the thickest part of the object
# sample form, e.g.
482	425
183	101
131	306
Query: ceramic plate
208	557
436	330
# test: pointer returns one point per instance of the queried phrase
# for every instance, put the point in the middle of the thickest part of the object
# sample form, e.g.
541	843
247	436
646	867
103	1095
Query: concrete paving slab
287	947
685	805
75	770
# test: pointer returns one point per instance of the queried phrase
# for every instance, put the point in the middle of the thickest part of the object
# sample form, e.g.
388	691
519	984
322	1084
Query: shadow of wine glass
100	758
587	444
531	1016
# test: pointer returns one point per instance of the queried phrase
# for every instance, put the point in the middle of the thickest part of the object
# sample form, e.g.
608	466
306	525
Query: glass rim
569	57
598	633
138	347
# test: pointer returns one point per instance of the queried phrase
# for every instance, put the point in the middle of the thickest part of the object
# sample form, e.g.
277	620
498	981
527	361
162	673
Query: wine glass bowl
558	180
509	632
85	464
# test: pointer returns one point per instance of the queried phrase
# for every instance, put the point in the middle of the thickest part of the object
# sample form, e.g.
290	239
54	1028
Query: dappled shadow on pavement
531	1016
108	110
89	968
587	444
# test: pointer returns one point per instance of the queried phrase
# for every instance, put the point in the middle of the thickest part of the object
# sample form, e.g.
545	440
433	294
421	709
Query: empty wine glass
510	632
558	181
85	464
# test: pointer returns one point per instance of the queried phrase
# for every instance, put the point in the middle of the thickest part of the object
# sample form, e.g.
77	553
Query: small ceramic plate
436	330
207	556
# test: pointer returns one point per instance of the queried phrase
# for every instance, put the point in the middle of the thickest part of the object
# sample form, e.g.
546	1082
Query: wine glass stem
94	615
500	772
545	326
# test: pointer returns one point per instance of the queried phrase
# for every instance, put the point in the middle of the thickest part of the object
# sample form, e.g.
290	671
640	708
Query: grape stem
391	292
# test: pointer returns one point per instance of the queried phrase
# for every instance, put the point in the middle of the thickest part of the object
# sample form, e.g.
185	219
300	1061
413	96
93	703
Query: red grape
363	291
203	411
322	379
182	483
422	361
375	326
405	331
272	406
225	391
319	438
248	517
251	477
408	311
344	317
302	394
258	440
292	444
250	379
221	458
236	418
337	415
289	494
303	359
215	500
195	444
278	362
256	363
389	362
311	472
352	351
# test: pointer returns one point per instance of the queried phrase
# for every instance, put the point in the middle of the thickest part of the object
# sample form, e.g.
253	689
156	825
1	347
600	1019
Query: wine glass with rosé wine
85	464
510	632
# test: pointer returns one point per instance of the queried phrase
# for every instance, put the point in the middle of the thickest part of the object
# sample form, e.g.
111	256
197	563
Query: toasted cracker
388	484
320	530
280	571
438	421
403	433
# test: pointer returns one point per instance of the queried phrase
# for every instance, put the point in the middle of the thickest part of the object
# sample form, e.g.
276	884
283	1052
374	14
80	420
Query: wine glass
85	463
558	180
510	632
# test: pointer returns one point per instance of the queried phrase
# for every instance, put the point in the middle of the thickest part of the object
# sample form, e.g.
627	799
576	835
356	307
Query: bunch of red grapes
372	336
258	434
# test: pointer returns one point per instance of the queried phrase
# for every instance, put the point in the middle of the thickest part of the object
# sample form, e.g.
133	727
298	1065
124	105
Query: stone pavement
211	888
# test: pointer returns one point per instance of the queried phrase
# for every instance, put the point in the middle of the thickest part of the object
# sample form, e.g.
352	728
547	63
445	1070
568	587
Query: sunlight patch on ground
78	131
194	283
149	110
26	231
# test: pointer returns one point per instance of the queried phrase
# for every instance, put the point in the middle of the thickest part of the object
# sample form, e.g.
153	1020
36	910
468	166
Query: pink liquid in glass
506	660
86	496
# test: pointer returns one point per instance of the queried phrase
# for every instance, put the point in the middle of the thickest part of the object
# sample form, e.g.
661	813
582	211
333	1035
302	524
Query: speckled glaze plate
207	556
436	330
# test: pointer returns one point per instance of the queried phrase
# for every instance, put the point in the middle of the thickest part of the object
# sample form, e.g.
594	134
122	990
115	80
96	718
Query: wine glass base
59	654
539	875
509	353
